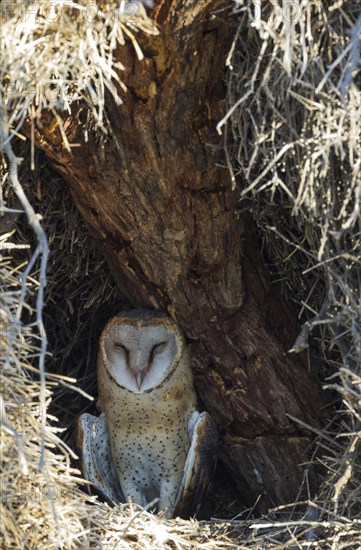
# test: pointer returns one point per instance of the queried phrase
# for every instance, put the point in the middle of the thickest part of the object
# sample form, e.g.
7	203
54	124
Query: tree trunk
167	220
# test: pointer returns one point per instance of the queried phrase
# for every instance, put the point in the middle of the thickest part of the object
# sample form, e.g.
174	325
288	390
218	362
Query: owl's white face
140	358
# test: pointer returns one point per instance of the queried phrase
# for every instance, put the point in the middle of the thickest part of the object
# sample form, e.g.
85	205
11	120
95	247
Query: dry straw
293	145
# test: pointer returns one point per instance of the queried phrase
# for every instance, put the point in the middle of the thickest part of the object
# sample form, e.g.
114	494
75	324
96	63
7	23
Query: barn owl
149	442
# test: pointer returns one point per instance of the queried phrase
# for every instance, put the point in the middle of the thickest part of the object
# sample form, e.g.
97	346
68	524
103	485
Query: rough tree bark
167	220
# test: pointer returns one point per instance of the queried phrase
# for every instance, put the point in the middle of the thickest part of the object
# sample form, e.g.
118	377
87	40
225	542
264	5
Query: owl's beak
138	370
139	377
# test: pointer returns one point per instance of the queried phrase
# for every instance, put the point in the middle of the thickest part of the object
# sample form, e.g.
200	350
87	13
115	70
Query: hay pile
293	145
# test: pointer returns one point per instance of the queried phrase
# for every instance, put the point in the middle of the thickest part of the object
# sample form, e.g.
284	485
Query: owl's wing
93	443
199	467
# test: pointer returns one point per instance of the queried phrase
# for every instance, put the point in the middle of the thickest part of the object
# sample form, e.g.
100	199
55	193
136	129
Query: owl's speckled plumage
160	446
